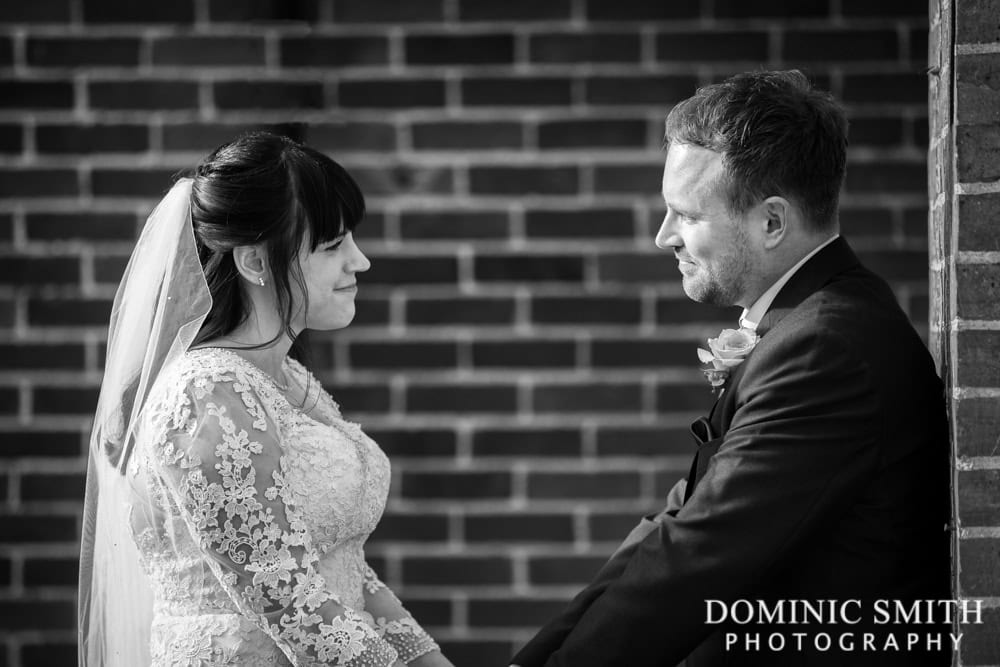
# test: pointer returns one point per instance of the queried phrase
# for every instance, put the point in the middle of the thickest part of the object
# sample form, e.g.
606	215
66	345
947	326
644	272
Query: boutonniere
725	353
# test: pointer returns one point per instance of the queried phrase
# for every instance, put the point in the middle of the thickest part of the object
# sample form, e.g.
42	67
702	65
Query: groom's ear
777	213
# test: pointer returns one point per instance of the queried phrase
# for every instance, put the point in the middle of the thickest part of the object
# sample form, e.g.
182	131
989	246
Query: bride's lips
353	287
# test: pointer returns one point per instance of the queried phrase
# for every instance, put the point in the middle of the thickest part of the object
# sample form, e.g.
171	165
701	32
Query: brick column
965	273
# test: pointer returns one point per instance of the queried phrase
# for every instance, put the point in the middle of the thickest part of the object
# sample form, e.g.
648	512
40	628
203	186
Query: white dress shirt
752	316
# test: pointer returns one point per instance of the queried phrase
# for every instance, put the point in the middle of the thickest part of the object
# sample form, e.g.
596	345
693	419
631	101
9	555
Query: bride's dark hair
265	188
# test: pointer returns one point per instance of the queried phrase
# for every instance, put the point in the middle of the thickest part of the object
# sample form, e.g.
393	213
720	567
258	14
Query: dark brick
387	11
355	397
513	10
5	575
641	10
978	286
400	179
529	268
517	91
51	571
35	95
131	182
334	51
80	51
978	215
22	182
11	139
462	398
980	645
449	225
978	149
519	527
837	45
612	527
6	51
49	653
6	233
978	501
37	356
868	222
883	8
586	47
455	485
587	397
81	226
242	11
531	354
9	400
977	422
641	441
87	139
152	95
640	179
396	355
583	485
391	93
563	570
979	560
978	363
591	133
894	88
711	45
393	527
269	95
453	571
779	9
478	49
38	615
110	268
124	11
17	444
68	312
413	442
524	180
513	612
884	131
466	311
40	11
683	397
886	177
22	528
649	354
51	486
586	309
976	22
8	305
526	442
65	400
897	264
351	135
39	270
637	268
433	613
466	135
583	223
409	271
370	311
209	51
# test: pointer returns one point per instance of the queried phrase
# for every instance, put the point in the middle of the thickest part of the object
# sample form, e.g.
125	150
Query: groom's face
711	246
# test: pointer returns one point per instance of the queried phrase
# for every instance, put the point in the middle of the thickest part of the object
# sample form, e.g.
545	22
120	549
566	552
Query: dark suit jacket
822	472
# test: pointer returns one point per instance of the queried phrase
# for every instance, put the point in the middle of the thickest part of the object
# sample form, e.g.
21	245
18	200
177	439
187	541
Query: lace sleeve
222	462
393	622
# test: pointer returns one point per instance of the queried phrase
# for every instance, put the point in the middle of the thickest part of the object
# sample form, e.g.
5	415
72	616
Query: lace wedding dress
251	516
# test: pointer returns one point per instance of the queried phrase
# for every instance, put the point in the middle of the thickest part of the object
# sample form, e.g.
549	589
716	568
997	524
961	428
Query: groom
821	473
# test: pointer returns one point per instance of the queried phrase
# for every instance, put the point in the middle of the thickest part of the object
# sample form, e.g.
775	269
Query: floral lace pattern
251	517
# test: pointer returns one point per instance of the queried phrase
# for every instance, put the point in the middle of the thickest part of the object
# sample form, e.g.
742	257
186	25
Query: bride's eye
335	245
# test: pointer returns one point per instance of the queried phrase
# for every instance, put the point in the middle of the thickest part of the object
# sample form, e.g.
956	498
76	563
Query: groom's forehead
691	172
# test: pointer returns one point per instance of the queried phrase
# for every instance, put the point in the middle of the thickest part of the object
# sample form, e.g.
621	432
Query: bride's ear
251	264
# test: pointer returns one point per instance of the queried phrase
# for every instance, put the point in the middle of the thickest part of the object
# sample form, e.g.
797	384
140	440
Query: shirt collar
751	316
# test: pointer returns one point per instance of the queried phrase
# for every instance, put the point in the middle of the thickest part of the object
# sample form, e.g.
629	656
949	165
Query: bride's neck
254	332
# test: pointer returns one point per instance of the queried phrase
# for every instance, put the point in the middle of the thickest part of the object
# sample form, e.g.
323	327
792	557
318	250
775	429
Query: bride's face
330	274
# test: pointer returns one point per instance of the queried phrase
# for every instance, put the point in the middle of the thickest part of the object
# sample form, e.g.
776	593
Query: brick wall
522	351
965	274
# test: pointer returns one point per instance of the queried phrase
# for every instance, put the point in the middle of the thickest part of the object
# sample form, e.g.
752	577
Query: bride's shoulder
198	373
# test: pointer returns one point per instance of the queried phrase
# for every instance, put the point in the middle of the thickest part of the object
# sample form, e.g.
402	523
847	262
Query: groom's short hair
778	136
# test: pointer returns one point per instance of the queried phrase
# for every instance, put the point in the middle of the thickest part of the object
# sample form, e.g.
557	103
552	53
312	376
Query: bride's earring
261	281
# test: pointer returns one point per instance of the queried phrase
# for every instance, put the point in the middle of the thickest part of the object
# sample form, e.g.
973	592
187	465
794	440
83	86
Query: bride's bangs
330	201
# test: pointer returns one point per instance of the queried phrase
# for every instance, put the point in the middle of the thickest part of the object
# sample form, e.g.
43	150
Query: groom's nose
668	237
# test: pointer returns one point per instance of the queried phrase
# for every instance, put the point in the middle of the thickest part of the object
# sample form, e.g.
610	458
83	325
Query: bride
228	500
